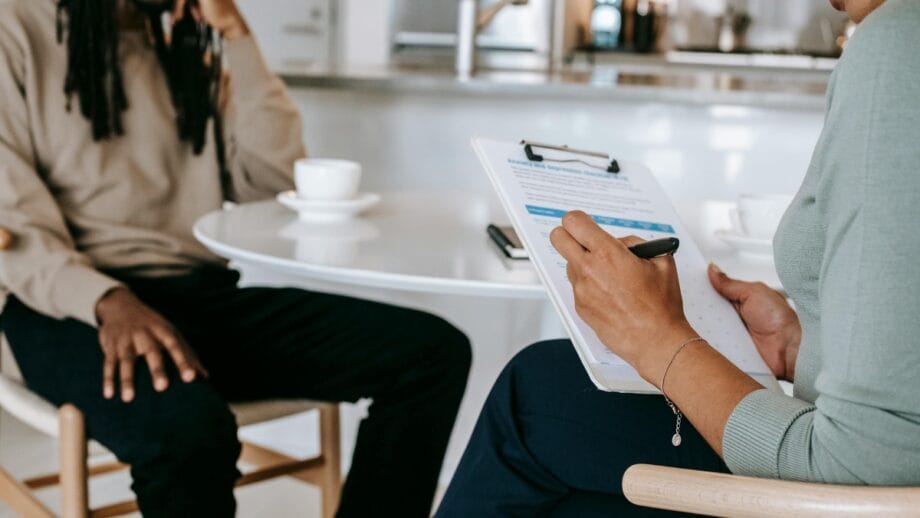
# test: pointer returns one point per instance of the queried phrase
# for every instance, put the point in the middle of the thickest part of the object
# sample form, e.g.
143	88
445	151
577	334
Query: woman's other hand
129	330
772	323
634	305
223	15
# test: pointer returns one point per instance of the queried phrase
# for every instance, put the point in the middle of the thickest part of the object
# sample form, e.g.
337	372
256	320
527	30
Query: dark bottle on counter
646	27
607	23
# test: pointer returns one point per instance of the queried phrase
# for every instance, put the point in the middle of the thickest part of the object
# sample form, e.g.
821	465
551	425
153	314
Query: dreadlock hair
93	70
191	60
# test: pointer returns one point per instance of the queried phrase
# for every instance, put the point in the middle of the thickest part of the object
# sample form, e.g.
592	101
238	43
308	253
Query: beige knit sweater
77	206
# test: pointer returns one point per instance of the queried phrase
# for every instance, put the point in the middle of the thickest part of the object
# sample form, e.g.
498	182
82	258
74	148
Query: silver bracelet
676	438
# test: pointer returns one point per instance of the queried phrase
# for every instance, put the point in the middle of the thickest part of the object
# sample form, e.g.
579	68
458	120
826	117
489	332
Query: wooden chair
67	425
717	494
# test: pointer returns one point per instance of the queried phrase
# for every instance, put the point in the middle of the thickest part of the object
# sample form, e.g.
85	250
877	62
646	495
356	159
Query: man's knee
456	350
190	425
445	348
210	429
182	447
435	359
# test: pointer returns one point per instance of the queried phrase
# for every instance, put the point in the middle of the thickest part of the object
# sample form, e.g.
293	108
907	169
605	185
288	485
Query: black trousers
257	344
549	443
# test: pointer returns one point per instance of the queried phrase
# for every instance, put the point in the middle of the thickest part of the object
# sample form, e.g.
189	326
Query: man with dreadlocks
116	135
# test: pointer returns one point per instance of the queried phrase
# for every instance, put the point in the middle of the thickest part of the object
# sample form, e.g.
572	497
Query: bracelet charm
676	439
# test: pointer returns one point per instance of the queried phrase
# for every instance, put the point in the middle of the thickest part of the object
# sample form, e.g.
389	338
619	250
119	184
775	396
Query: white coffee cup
759	215
325	179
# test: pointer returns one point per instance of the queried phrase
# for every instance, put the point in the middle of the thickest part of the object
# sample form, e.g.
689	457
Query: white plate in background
327	211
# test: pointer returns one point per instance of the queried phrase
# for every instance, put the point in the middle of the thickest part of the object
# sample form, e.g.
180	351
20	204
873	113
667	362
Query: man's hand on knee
129	329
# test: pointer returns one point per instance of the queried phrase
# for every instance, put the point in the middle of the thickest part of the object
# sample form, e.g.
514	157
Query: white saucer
326	211
746	244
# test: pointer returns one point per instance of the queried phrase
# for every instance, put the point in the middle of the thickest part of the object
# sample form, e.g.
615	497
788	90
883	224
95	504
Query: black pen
656	248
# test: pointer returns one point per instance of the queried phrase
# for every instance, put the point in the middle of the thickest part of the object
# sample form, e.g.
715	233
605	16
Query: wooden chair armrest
718	494
6	239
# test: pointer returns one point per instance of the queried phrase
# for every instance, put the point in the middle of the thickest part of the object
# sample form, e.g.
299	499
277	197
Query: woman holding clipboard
549	443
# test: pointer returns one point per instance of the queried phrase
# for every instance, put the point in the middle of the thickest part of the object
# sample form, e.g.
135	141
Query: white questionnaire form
537	194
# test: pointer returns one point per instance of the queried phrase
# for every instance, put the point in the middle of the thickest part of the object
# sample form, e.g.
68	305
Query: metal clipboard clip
613	167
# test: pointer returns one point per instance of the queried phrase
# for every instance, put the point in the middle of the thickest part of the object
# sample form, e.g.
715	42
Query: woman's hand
634	305
773	325
128	330
222	15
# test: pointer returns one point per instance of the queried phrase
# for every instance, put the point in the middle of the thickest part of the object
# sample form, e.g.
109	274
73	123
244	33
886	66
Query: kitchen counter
713	133
677	83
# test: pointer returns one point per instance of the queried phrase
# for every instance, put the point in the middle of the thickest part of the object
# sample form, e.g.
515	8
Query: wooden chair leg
75	501
331	449
20	498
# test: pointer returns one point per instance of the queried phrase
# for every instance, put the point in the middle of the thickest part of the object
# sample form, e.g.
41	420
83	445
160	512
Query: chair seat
264	411
34	411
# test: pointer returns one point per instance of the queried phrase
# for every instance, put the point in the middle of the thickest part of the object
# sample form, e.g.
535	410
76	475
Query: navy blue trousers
548	443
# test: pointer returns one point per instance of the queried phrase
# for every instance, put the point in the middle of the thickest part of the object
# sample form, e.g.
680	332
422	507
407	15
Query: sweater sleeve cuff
250	73
77	289
756	429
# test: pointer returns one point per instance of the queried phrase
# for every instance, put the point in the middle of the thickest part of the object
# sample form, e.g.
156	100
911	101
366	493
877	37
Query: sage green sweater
848	253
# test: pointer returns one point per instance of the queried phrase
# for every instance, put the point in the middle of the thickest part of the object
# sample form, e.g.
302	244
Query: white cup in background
759	215
324	179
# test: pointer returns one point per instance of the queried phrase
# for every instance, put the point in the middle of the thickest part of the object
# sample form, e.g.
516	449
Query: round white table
425	242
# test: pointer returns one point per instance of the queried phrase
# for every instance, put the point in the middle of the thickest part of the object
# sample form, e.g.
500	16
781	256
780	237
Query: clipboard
612	166
535	195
